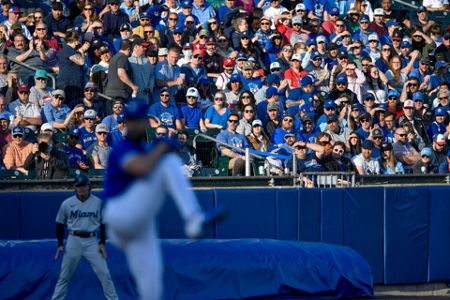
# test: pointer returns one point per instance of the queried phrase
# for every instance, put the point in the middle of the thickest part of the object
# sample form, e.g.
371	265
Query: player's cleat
195	227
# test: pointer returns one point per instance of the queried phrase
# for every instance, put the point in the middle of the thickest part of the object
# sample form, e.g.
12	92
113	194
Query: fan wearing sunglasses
337	162
229	136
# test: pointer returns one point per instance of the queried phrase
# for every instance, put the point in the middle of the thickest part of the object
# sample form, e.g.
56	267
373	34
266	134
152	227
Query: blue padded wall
406	235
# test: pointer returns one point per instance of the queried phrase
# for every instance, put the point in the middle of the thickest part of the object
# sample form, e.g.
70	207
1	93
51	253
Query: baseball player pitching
82	214
136	184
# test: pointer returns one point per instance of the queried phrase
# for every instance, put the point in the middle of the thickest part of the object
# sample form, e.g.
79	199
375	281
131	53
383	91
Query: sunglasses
339	151
191	97
425	156
117	106
160	133
233	121
329	108
90	90
339	25
165	95
222	41
369	99
87	8
150	31
102	133
392	98
17	136
355	109
364	120
40	29
248	111
213	23
190	22
288	120
245	97
386	50
401	134
218	98
265	23
443	98
197	56
173	19
244	38
377	138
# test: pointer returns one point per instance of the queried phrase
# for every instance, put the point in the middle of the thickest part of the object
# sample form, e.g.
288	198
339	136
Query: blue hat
136	109
18	130
418	96
4	116
357	105
334	11
341	79
332	118
367	144
120	118
426	152
439	111
308	109
306	80
203	80
440	64
329	104
271	91
393	93
186	4
405	44
364	18
178	30
164	89
144	15
382	106
316	54
368	96
310	42
235	77
391	22
241	56
271	78
74	132
289	134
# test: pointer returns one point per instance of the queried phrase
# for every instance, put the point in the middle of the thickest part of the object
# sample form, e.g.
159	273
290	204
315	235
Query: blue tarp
204	269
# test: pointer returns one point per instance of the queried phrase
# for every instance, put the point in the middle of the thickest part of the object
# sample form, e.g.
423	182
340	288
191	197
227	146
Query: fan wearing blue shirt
165	111
191	113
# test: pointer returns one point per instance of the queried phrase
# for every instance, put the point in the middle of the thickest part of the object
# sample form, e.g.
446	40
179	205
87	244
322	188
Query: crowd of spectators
351	85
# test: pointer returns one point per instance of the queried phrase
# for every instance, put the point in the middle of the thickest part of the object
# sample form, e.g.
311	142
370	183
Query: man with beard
40	94
91	100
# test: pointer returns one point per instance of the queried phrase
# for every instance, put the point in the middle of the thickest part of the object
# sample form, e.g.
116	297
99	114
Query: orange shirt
15	155
294	77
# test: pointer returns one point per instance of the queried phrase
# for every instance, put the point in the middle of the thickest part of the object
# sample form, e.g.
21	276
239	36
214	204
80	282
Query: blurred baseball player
136	184
82	213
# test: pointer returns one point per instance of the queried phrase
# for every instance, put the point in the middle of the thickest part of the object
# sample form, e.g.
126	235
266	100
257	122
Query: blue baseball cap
272	78
271	91
364	18
203	80
135	109
418	96
334	11
440	111
4	116
329	104
341	79
393	93
306	80
332	118
316	54
235	77
368	96
310	42
367	144
241	56
178	29
391	22
358	106
186	4
18	130
308	109
426	152
405	44
440	64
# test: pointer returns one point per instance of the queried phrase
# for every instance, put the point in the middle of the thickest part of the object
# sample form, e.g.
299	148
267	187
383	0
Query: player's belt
83	234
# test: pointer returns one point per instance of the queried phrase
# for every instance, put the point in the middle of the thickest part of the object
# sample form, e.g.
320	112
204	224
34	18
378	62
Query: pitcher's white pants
131	220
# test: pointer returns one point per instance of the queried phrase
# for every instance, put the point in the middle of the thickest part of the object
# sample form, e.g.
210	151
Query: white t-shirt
370	167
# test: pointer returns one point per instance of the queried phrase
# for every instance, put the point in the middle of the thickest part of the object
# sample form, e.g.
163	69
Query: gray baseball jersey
83	216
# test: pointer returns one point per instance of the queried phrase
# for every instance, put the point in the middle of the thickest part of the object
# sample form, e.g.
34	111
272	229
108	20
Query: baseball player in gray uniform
82	213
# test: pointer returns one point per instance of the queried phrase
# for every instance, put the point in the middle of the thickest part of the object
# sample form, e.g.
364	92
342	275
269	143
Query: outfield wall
404	233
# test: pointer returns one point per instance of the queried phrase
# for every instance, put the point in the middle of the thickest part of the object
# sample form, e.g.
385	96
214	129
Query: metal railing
27	66
327	180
